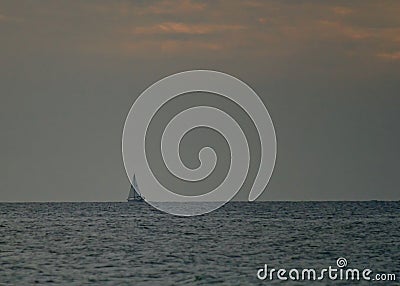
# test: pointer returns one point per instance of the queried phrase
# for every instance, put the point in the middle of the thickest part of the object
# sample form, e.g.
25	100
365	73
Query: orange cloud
165	7
154	48
342	11
189	29
390	56
251	28
4	18
173	7
179	46
262	20
348	31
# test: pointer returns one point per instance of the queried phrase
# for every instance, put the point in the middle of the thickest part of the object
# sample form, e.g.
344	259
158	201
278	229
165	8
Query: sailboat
134	193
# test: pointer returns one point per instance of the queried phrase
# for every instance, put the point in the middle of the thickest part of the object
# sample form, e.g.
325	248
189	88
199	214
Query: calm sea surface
122	244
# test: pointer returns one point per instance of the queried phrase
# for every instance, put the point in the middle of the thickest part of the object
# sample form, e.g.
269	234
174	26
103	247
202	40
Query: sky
328	72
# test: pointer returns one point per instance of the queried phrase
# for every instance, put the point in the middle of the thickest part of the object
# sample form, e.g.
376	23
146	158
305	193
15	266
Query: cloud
244	30
172	7
5	18
395	56
342	11
174	46
189	29
262	20
157	8
168	46
349	31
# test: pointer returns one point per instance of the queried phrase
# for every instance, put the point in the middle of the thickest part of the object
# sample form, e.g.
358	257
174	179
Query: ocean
135	244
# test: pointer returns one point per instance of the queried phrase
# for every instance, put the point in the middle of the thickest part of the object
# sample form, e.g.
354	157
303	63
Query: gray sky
328	72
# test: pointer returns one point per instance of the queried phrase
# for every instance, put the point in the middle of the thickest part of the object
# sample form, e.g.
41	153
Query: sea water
135	244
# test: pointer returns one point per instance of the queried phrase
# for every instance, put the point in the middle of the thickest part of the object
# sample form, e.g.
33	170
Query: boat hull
135	200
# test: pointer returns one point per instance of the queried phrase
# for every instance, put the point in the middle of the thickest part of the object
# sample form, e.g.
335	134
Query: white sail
135	185
131	193
134	193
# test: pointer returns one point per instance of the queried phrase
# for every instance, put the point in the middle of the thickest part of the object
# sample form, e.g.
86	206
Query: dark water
121	244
